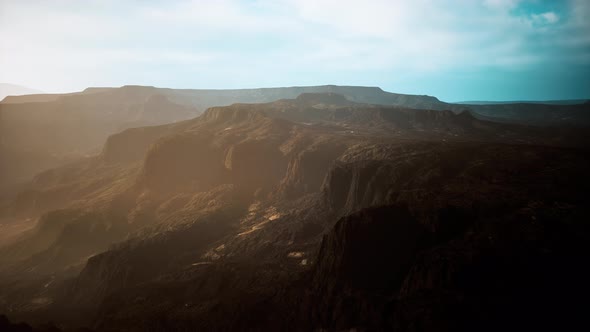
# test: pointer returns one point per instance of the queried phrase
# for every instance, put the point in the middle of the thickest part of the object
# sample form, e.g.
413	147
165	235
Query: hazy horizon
28	91
494	50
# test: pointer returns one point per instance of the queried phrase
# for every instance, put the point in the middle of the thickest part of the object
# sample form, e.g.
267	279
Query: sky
455	50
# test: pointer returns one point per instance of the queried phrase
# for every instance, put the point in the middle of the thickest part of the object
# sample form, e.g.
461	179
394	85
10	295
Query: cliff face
457	257
361	264
515	270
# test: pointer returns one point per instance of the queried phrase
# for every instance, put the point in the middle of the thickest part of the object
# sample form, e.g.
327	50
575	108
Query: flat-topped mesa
323	98
432	99
124	87
232	114
97	89
125	95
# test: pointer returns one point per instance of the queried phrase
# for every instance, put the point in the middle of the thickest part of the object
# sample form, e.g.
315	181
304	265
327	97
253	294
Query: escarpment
308	168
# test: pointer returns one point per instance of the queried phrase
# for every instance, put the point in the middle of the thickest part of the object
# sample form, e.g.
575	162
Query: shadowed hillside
302	214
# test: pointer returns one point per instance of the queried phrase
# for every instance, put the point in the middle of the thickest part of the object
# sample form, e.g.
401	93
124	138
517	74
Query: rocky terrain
349	209
43	131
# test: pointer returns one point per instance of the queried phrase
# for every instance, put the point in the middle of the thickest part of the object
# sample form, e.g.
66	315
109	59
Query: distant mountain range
537	113
40	131
205	98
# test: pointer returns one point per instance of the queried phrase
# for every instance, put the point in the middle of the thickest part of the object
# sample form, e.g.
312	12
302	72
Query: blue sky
455	50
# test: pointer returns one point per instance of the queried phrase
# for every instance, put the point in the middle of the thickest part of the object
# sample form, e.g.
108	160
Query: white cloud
545	18
69	44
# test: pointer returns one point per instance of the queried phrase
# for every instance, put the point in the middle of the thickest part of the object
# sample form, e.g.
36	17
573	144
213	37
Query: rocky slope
302	214
38	132
371	270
